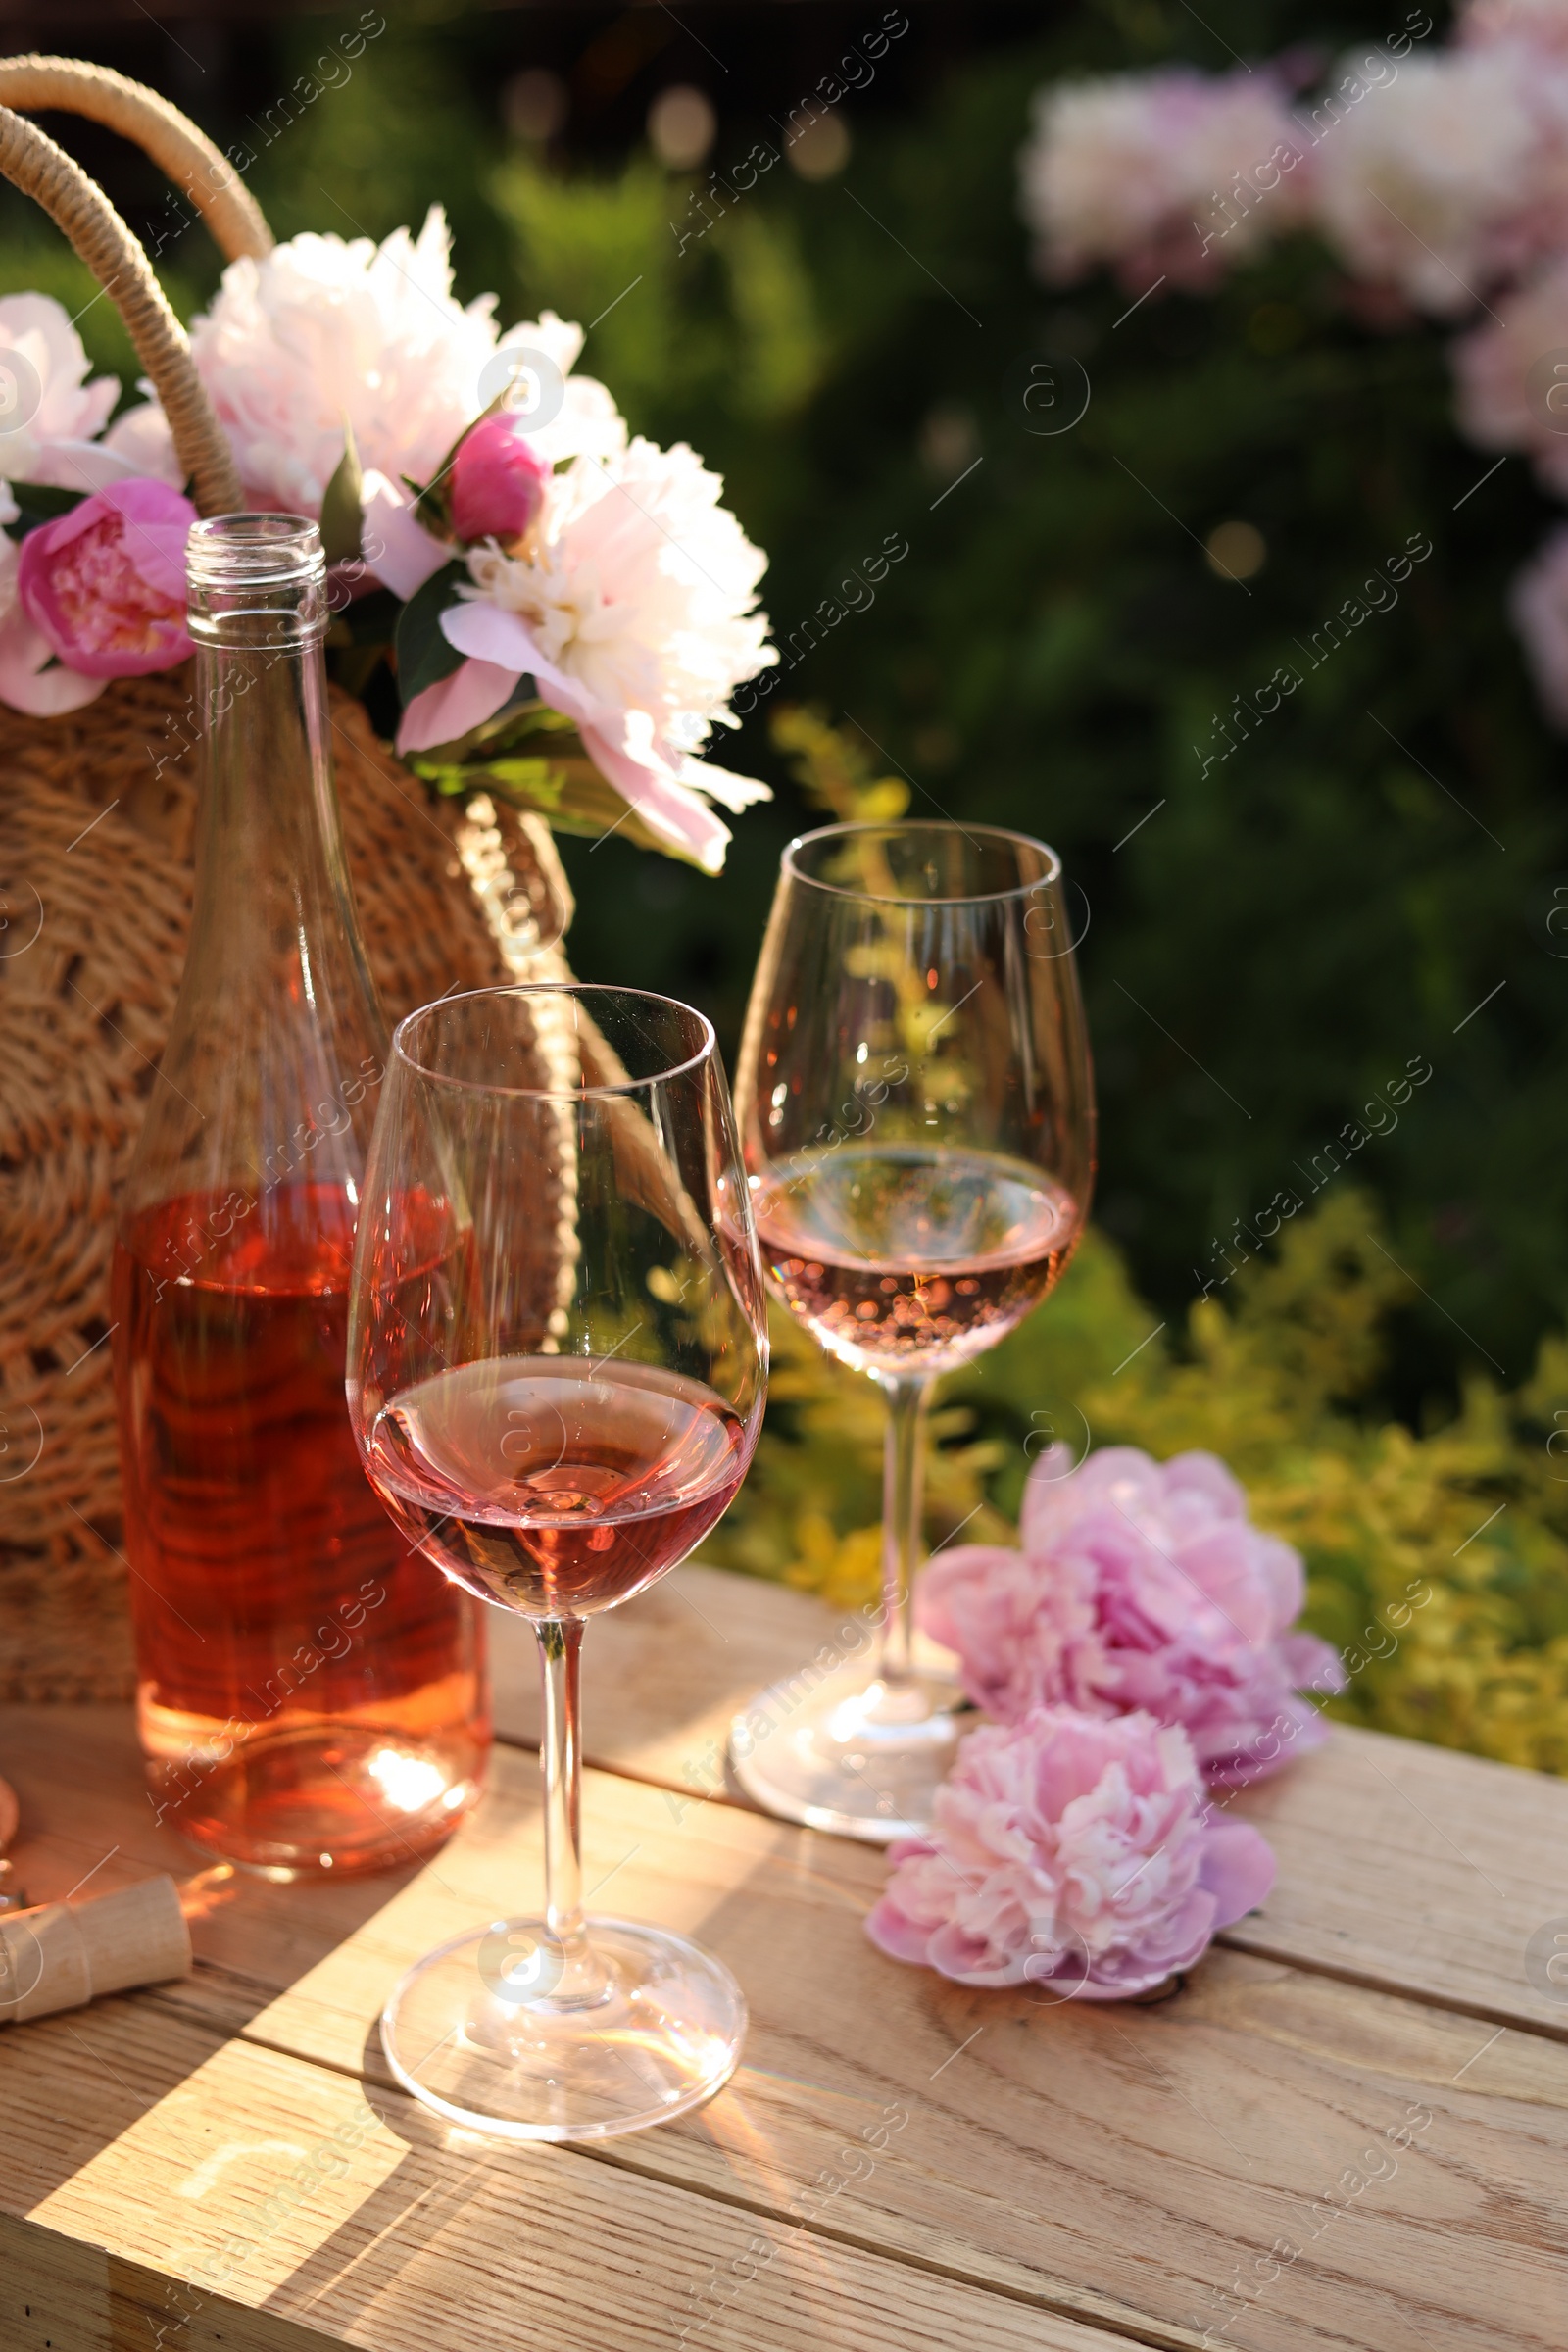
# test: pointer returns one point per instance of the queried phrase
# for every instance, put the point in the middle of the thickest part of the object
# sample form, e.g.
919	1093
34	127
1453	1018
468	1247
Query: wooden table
1348	2129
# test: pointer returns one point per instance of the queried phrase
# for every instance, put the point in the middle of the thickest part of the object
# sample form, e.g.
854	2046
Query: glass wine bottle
310	1697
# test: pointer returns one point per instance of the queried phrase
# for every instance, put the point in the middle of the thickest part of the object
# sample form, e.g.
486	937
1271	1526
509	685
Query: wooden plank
244	2201
1124	2165
1401	1866
1418	1869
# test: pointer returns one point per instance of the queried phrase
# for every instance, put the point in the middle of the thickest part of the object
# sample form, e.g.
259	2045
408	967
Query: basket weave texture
96	873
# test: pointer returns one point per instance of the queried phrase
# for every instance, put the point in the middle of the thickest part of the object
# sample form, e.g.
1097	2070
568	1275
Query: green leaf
342	508
41	503
557	780
423	655
369	619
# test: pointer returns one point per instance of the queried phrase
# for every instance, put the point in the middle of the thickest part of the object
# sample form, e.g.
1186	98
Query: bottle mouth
257	580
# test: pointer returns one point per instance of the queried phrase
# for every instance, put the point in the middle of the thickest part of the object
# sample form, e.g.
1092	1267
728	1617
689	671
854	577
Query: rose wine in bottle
310	1697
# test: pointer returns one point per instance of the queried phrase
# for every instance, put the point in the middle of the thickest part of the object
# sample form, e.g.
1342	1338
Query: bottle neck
272	1070
274	909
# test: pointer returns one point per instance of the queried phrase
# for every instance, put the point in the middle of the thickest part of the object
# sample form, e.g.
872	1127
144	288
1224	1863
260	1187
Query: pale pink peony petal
84	466
398	548
667	808
485	632
473	694
142	438
27	684
1237	1868
620	743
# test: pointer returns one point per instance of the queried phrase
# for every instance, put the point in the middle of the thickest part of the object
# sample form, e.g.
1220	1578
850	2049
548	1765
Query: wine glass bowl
556	1377
917	1115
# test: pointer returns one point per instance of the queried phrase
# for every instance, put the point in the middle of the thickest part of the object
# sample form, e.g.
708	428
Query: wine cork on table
66	1954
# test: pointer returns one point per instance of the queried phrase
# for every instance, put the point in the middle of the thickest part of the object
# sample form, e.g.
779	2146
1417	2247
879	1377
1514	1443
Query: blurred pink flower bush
1499	408
1072	1853
1120	170
1139	1585
1440	179
1449	176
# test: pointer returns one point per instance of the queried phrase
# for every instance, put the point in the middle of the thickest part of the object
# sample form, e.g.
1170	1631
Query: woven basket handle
184	154
80	206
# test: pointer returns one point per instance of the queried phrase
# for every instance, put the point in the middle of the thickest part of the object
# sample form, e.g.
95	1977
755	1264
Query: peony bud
498	481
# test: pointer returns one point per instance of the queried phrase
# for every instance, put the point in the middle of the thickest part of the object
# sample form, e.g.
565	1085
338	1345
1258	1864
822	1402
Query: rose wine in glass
554	1456
917	1122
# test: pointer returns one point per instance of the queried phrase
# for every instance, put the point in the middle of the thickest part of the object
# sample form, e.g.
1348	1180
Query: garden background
1363	890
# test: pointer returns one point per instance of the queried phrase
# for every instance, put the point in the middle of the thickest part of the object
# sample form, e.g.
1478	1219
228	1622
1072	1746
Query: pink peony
498	479
1073	1852
105	585
1139	1585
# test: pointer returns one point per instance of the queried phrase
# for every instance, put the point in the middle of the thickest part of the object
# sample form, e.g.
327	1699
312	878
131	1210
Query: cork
66	1954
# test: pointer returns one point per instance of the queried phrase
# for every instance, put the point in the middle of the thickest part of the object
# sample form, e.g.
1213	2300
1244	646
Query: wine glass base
855	1755
658	2033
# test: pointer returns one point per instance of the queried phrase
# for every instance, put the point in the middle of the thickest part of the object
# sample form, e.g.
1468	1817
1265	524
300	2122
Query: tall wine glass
557	1369
917	1119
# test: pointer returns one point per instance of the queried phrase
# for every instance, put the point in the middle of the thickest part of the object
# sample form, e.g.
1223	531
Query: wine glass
916	1113
557	1369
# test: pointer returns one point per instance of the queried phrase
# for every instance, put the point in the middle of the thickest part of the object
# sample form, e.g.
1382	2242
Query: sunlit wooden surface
1245	2163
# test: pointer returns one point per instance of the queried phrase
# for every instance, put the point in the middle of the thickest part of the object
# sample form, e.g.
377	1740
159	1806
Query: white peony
1442	181
1172	171
633	611
50	414
322	332
641	586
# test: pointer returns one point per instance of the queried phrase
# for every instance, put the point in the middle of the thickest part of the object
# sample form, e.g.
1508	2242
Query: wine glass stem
560	1659
903	1497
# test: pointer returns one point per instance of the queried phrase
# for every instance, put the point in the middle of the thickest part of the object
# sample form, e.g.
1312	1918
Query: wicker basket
96	827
